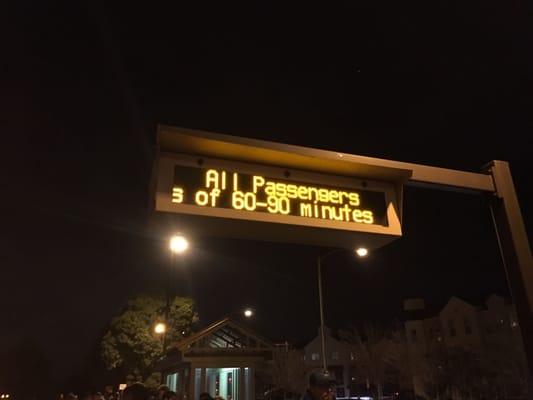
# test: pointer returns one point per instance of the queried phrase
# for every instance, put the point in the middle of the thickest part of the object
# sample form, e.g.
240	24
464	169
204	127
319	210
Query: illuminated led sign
205	184
238	190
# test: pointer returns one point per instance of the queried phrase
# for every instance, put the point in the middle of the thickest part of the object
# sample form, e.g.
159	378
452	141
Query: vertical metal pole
240	389
167	307
322	337
516	255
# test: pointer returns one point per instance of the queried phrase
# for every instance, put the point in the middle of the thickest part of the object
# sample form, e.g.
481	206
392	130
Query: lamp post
361	252
178	246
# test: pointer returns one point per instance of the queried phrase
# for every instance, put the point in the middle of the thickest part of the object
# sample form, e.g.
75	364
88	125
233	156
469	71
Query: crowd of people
136	391
320	388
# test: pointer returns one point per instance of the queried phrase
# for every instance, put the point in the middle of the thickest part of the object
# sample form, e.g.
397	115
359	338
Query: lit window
352	356
173	381
315	356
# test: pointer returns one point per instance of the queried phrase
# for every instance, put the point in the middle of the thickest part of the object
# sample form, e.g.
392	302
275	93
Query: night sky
84	85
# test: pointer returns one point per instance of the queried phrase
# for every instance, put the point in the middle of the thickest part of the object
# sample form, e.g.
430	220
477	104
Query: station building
225	359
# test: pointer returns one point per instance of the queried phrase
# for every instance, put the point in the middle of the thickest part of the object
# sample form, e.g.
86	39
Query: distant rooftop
418	308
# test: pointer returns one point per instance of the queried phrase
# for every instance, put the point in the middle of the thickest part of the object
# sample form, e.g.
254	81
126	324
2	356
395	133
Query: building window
172	381
224	382
352	356
451	328
413	335
315	356
335	355
468	327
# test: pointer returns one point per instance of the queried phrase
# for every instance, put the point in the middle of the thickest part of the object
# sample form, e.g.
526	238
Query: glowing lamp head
160	328
248	313
178	244
361	251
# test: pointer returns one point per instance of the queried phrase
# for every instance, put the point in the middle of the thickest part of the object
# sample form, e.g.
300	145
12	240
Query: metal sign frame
494	180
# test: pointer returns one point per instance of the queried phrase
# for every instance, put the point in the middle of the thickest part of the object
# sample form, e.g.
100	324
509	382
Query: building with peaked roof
225	359
459	324
339	359
478	330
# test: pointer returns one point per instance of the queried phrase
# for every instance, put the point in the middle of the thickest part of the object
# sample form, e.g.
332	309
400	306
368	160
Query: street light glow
160	328
362	251
178	244
248	313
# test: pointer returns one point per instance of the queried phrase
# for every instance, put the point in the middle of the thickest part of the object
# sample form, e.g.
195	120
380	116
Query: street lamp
361	252
248	313
178	244
243	312
160	328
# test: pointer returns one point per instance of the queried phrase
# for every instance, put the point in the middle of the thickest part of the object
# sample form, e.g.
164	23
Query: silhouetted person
109	393
170	395
320	387
205	396
71	396
161	390
136	391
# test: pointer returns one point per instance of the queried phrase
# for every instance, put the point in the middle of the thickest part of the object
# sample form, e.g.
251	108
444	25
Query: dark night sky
85	83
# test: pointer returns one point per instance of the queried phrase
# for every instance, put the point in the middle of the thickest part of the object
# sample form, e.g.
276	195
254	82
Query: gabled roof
454	300
225	333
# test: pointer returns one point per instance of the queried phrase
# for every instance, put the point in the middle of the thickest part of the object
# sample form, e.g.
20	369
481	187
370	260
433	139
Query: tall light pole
178	246
361	252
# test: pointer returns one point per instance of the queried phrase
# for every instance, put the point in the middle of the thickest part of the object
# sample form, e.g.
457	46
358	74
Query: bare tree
289	371
505	363
377	352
